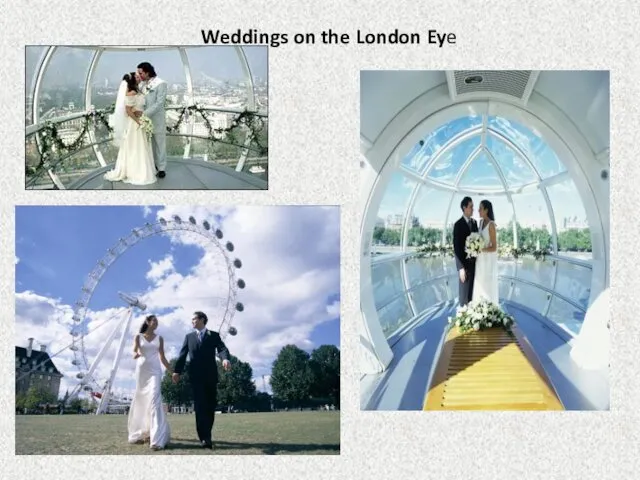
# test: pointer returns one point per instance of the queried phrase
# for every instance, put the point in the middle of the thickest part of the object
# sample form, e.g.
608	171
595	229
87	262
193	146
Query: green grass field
284	433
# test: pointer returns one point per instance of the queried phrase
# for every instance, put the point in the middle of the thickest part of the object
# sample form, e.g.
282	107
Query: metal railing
448	277
243	162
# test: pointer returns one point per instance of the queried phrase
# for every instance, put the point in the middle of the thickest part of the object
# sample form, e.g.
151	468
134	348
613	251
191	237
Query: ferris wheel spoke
209	234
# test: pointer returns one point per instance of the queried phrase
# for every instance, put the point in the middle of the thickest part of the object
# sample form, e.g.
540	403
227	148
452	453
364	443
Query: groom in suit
155	93
466	266
201	347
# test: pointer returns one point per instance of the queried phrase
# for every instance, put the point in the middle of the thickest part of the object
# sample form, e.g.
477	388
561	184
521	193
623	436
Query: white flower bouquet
146	125
474	245
479	315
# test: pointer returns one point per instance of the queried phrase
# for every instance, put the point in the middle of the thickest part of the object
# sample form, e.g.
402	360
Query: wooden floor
489	370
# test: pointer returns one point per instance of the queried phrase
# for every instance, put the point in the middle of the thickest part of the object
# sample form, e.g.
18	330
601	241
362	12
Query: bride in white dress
147	419
485	285
135	163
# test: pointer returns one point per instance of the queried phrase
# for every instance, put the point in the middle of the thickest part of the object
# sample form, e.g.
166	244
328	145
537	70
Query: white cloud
290	258
160	269
147	211
17	260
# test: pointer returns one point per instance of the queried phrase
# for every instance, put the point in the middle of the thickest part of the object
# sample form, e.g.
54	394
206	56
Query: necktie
470	225
200	335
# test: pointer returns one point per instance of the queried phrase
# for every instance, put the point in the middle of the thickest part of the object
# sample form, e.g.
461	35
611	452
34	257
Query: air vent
514	83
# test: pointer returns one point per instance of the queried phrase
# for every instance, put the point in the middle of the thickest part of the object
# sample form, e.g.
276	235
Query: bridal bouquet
479	315
474	245
146	125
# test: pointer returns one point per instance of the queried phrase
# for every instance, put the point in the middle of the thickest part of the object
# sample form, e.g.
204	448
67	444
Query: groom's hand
226	364
175	377
138	113
463	275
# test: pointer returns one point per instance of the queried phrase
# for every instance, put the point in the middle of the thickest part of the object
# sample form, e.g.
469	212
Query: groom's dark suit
203	376
461	230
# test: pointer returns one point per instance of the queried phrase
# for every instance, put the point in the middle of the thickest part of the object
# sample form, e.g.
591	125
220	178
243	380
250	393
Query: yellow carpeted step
490	370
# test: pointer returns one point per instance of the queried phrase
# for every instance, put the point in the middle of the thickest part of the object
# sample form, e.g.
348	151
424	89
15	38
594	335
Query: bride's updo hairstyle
145	324
486	204
132	84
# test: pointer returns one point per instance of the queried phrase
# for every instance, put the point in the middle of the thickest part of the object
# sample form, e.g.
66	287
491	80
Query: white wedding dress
135	163
147	419
485	284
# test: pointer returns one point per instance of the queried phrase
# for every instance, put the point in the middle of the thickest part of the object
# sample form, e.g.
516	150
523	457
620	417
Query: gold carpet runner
490	370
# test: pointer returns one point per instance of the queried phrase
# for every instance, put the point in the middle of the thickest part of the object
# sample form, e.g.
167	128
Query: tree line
570	240
298	379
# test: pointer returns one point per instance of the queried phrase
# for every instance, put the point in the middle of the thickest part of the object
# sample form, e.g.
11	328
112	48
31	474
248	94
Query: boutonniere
208	333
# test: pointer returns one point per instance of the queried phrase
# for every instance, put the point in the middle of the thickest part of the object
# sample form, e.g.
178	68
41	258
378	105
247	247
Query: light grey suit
154	109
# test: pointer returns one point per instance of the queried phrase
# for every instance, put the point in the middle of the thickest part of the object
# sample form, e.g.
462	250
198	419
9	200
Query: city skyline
70	65
175	276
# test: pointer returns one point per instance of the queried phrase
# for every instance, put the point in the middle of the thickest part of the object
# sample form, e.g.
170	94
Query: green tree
291	376
325	364
236	386
21	400
37	395
176	393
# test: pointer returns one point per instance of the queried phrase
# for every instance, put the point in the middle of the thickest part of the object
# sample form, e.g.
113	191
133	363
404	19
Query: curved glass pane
420	155
112	65
386	279
574	282
421	270
80	164
430	294
395	315
504	288
447	167
218	77
533	221
258	59
63	83
529	296
566	315
429	212
481	175
531	143
536	271
387	234
33	58
515	170
574	236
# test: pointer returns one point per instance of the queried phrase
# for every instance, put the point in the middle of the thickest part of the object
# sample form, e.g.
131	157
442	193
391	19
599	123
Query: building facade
35	368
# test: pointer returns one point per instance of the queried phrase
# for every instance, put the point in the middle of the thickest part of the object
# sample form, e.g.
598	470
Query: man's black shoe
161	174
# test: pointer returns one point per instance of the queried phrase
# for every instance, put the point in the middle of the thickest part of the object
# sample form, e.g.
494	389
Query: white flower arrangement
479	315
146	125
474	245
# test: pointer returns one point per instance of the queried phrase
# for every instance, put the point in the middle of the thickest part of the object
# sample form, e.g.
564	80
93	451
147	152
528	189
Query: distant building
35	368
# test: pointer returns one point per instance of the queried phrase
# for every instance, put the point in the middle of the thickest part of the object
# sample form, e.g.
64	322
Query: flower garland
504	251
49	140
527	250
480	315
253	122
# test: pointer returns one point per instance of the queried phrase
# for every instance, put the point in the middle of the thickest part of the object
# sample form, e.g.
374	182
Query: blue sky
291	266
432	204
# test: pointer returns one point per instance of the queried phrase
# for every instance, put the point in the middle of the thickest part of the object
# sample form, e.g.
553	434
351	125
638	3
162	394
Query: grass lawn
282	433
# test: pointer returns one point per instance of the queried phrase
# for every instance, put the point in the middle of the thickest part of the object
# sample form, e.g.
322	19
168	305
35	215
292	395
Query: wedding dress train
147	419
485	285
135	163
